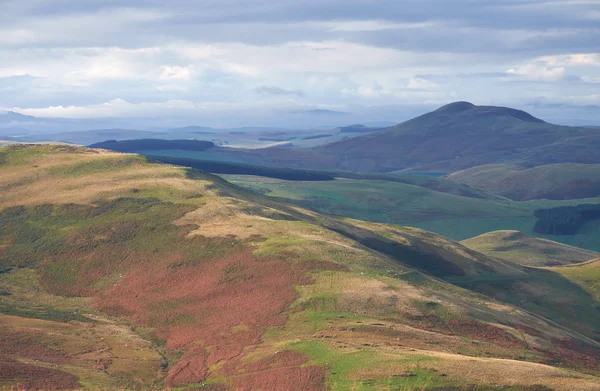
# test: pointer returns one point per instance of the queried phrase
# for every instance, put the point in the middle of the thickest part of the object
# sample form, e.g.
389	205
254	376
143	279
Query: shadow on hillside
545	293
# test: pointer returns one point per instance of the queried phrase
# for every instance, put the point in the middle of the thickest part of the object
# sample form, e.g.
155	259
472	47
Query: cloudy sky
232	62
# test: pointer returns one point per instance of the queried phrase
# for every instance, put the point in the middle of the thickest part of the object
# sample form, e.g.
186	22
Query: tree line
565	220
215	167
153	144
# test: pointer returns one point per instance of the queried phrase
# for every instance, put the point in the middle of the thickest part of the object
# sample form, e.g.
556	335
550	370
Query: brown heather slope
514	246
554	181
117	273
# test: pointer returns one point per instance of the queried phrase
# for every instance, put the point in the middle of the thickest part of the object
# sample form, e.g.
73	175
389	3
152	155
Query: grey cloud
465	46
458	26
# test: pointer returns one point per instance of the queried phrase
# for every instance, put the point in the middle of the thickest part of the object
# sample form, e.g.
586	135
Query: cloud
114	108
345	53
374	91
590	79
120	108
276	91
538	73
571	59
421	84
374	25
174	72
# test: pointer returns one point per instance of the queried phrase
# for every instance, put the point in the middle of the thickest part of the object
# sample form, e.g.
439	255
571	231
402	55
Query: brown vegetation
283	370
199	309
32	377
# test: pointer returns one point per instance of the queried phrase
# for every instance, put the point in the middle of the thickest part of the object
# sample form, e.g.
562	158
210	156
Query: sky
297	63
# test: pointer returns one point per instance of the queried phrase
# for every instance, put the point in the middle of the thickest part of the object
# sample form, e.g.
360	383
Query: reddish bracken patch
573	354
87	267
31	377
295	378
28	345
469	328
484	332
280	371
526	329
212	310
282	359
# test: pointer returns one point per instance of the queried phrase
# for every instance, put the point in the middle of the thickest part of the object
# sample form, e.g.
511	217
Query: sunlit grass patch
91	167
586	275
351	370
24	297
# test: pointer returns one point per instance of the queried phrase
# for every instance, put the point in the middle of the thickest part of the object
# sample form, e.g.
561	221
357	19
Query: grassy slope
446	214
554	181
175	268
514	246
586	275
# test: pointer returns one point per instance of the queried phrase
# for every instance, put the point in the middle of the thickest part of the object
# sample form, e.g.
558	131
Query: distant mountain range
454	137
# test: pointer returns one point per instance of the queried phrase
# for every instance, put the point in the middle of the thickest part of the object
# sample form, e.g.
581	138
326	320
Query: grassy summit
514	246
119	273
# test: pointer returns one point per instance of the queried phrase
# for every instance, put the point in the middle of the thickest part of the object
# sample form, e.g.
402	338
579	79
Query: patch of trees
316	136
215	167
565	220
153	144
358	129
276	139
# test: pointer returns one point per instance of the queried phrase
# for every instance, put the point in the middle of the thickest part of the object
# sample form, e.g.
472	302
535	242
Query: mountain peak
460	107
456	107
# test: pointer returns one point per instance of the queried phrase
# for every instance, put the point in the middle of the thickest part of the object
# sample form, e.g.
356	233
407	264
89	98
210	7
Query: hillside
421	202
120	273
553	181
462	135
514	246
586	275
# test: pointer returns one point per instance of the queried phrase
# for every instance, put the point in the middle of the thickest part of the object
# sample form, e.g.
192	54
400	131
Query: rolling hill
553	181
462	135
586	275
514	246
118	273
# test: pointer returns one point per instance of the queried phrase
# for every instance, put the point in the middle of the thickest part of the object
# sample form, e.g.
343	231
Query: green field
449	215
